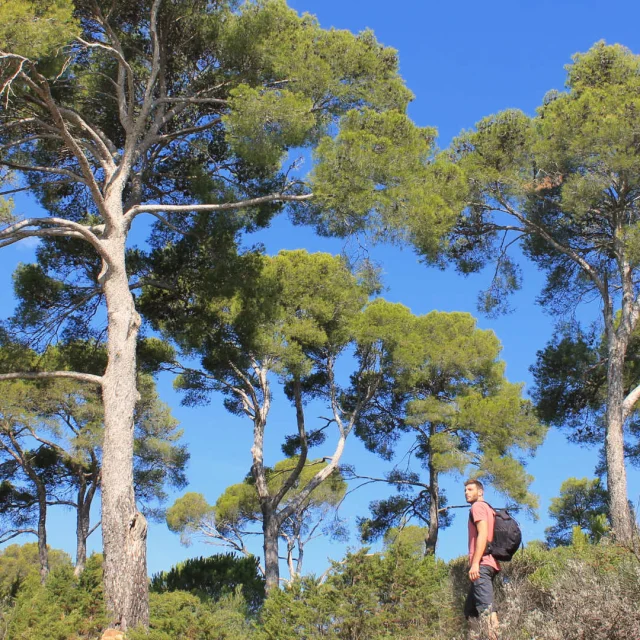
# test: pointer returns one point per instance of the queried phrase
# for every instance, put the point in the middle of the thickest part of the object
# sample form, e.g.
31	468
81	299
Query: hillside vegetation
581	591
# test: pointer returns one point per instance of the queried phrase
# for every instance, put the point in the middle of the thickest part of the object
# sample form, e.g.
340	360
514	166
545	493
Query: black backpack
507	536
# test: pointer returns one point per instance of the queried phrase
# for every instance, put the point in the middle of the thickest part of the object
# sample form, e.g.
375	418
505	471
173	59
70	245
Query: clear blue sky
463	60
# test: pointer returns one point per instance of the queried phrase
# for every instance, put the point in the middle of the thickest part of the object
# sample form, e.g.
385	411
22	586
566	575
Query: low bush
376	597
590	592
184	616
65	608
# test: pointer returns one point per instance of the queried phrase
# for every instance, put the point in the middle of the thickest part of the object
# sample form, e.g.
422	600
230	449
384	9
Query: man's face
471	493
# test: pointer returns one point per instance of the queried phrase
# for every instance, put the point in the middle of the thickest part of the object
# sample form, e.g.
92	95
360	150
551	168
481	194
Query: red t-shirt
480	510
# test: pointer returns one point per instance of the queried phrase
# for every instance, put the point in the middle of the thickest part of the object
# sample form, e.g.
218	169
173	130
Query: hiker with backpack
483	566
494	536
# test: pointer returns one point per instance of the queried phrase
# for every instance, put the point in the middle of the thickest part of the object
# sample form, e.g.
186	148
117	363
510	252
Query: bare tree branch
187	208
630	402
50	375
95	527
66	227
14	533
40	169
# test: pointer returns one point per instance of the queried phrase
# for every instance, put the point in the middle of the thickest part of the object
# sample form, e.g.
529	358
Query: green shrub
17	562
179	615
214	577
65	608
376	597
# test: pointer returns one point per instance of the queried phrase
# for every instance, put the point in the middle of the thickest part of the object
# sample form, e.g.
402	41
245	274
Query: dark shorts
480	598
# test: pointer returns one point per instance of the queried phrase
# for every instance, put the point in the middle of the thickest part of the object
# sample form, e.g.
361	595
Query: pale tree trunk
124	528
268	503
271	532
434	506
294	539
300	558
300	543
619	510
291	543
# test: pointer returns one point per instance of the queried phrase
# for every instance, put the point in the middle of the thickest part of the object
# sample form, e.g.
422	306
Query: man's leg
471	613
481	596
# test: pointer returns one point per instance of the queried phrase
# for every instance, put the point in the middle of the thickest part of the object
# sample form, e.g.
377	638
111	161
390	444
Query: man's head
473	491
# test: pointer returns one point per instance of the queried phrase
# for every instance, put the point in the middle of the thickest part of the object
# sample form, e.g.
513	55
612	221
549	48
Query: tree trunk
43	551
82	529
434	505
300	558
619	510
271	530
124	529
290	548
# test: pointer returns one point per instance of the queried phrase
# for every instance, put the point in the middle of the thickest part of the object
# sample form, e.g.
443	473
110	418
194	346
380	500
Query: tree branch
44	91
38	169
187	208
630	402
50	375
302	459
65	228
572	255
95	527
14	533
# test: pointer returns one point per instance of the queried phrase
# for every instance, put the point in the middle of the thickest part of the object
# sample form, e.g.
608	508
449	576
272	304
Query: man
482	567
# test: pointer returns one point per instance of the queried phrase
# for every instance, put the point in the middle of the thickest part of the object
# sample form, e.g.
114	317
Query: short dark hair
476	482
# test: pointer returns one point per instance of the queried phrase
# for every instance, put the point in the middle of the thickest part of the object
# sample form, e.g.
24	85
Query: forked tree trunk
621	520
124	528
83	519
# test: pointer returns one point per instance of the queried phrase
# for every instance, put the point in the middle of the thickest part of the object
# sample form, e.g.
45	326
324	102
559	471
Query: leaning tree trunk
434	505
271	533
124	529
619	510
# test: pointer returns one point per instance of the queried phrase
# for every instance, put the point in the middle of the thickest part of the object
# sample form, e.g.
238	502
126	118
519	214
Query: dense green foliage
33	28
445	388
19	563
212	578
263	81
66	607
582	504
365	596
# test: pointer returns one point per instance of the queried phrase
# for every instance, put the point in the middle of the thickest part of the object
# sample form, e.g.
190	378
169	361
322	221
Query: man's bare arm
481	545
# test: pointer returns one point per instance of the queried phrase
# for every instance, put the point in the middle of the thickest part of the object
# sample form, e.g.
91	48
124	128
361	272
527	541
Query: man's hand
474	572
